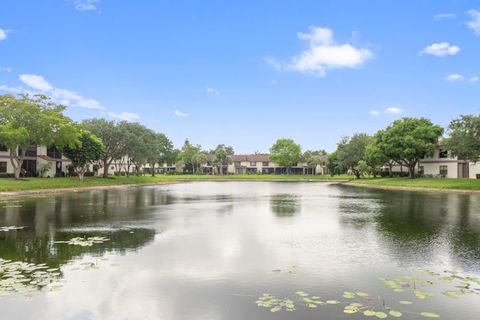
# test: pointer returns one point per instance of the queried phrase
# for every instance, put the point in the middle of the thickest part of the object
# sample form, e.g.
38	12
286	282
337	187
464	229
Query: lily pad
430	315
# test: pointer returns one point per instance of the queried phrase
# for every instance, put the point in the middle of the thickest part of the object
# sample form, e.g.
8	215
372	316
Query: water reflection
284	205
206	250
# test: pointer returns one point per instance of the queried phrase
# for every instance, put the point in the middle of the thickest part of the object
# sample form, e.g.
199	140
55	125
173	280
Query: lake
210	250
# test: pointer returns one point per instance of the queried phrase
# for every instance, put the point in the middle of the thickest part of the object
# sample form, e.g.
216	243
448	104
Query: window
53	152
3	148
3	167
238	163
265	163
444	170
253	163
442	153
421	169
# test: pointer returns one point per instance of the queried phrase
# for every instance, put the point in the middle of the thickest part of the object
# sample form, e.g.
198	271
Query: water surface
208	250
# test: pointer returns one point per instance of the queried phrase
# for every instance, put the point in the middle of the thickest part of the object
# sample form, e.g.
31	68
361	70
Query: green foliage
113	137
190	157
33	120
286	153
375	157
89	151
351	151
223	157
408	140
313	158
43	169
464	137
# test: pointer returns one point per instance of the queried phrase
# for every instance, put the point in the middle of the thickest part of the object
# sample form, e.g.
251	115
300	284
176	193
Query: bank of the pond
423	184
10	186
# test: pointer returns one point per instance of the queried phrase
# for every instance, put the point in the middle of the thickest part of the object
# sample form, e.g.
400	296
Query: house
444	164
441	165
261	164
37	159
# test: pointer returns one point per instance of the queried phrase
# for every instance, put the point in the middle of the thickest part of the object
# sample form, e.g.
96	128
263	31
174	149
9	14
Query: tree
223	157
188	156
408	140
375	158
140	145
313	158
464	137
162	149
333	165
351	151
286	153
36	120
113	138
89	151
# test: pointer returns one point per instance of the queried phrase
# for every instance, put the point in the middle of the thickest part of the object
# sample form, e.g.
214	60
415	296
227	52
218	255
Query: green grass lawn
435	183
9	184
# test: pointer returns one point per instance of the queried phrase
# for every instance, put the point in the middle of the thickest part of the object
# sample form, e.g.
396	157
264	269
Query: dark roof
47	158
251	157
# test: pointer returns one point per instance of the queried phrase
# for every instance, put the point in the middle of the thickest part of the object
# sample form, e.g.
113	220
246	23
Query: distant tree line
405	142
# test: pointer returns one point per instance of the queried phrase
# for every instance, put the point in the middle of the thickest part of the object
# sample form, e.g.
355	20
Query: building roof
251	157
47	158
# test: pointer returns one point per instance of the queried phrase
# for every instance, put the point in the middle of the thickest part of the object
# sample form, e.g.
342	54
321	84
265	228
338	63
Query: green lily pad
430	315
395	313
381	315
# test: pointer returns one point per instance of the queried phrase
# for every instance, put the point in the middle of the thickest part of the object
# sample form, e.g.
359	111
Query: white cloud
63	96
323	54
445	16
393	110
36	82
274	82
16	90
441	49
474	24
179	113
3	34
6	69
213	91
374	113
86	5
127	116
69	98
454	77
474	79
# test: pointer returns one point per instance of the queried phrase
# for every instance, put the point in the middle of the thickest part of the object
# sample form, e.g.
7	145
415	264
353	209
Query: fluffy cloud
127	116
454	77
374	113
3	34
474	79
179	113
323	54
36	82
86	5
441	16
393	110
213	91
6	69
474	24
442	49
63	96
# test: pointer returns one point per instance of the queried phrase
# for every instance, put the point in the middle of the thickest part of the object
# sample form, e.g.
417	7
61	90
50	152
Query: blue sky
249	72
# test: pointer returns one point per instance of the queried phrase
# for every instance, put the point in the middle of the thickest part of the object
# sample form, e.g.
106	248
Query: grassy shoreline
419	184
28	184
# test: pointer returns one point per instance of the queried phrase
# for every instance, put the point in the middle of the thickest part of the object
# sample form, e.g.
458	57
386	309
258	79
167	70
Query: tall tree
464	137
113	138
87	152
33	120
351	151
223	157
188	156
160	149
286	153
408	140
375	157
